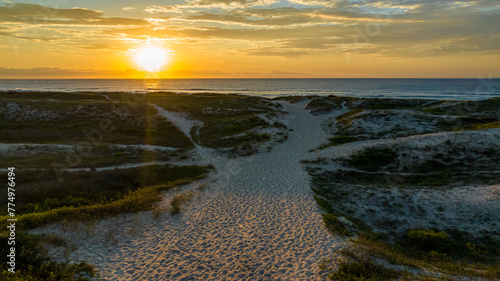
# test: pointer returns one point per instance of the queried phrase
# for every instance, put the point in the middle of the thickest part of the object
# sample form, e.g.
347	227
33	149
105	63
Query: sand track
255	220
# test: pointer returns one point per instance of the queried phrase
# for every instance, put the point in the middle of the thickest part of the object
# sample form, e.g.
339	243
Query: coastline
426	88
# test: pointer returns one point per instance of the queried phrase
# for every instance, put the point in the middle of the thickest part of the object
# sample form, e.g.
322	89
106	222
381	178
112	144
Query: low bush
334	225
40	191
34	264
338	140
373	159
363	271
343	117
440	246
139	200
461	261
429	240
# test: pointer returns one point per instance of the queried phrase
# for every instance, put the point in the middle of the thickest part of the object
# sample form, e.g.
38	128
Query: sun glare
151	58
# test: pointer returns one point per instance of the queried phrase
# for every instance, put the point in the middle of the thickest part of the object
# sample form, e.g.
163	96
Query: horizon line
250	78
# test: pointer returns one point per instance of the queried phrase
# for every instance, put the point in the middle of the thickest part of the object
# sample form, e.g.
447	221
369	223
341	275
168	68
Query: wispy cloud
128	9
290	29
403	28
51	72
37	15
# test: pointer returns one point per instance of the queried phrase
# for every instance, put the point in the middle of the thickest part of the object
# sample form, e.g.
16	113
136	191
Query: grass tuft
180	200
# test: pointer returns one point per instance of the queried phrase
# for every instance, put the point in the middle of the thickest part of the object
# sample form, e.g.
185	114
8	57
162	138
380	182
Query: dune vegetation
413	184
82	196
408	181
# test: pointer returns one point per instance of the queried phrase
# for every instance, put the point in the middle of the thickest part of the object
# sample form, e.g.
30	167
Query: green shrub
33	262
231	115
131	123
323	204
491	125
429	240
343	117
339	140
363	271
141	199
43	192
373	158
463	260
334	225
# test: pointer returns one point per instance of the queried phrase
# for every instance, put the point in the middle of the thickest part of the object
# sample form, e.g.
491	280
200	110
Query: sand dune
256	219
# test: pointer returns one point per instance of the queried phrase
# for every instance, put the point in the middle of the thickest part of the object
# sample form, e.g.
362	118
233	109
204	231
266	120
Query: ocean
443	89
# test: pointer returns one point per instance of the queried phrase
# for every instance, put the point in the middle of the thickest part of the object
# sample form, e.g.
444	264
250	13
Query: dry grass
179	200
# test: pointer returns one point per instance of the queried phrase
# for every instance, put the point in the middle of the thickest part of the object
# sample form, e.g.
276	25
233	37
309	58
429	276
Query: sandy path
256	220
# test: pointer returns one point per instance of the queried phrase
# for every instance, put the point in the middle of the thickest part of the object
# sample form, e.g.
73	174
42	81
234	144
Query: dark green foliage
138	200
41	191
33	262
98	156
324	104
434	173
290	99
339	140
440	246
470	121
432	165
51	95
387	103
134	121
429	240
466	115
221	134
492	125
363	271
463	258
73	121
488	108
373	159
334	225
223	116
95	195
347	115
323	204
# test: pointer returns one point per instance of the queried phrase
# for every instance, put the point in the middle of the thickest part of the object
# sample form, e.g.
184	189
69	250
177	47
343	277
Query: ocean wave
460	89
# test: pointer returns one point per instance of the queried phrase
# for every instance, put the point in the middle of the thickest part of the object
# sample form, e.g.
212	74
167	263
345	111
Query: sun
151	58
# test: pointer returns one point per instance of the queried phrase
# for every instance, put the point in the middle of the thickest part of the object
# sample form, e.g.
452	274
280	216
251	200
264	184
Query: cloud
246	34
97	46
272	17
13	35
15	11
37	14
163	9
230	3
258	17
405	28
47	72
390	28
277	52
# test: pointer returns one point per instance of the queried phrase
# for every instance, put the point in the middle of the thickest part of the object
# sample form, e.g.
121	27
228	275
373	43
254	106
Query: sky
250	39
